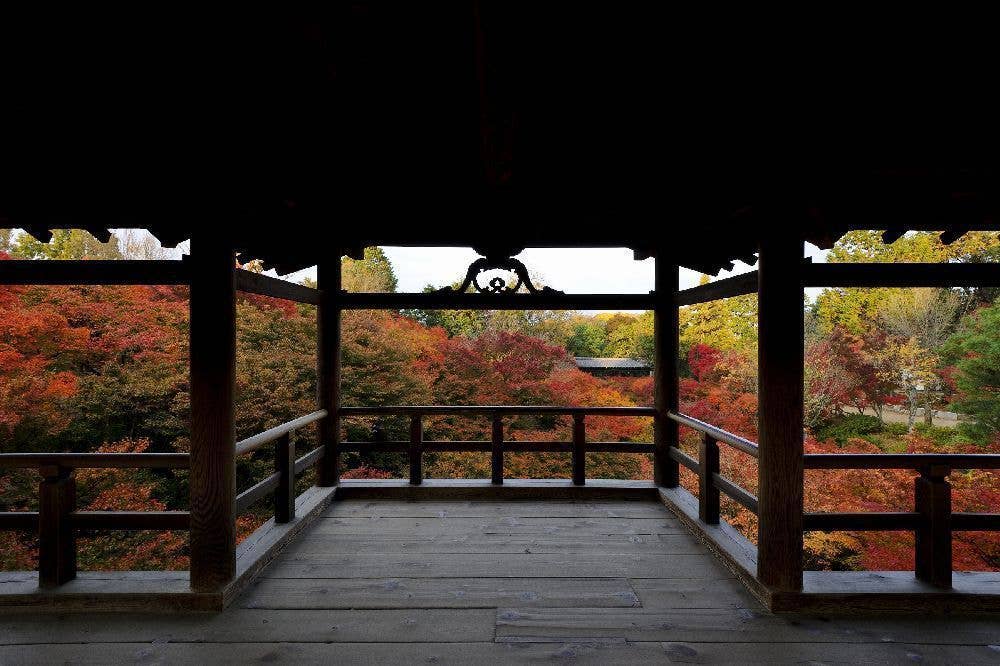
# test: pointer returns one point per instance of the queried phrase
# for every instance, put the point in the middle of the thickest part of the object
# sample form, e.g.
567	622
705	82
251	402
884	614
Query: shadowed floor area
488	582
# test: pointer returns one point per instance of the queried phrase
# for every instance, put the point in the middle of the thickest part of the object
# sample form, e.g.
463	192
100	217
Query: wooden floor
489	582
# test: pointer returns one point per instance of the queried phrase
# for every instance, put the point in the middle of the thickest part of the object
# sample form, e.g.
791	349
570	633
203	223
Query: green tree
727	324
65	244
588	339
6	241
373	274
857	310
975	349
634	339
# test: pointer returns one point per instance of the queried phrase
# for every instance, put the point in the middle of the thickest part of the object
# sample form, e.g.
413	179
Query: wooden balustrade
282	482
932	520
416	446
57	518
711	483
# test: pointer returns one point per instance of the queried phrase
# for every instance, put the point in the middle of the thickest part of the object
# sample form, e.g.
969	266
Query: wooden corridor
488	582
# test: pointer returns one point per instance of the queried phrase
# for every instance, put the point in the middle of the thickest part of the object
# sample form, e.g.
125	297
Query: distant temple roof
611	363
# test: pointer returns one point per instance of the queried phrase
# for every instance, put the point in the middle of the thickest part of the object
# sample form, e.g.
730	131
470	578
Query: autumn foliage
106	369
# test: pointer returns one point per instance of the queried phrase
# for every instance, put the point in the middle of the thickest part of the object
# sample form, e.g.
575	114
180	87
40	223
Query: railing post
780	355
213	389
666	345
932	496
284	465
497	459
708	493
328	369
416	449
56	545
579	450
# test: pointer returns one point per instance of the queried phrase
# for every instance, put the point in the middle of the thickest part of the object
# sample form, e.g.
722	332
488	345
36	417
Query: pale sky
573	270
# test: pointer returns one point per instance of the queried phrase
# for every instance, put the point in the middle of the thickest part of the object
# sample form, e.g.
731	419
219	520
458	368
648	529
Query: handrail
901	460
718	434
932	519
416	446
252	443
95	460
58	517
494	409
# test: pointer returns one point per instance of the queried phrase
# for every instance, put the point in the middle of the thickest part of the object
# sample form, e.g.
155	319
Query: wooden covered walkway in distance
588	581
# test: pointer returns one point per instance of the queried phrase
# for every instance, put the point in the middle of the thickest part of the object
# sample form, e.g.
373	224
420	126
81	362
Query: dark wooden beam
736	493
901	460
389	410
579	462
877	522
328	345
19	520
781	362
901	275
130	520
265	285
666	369
476	301
213	388
95	460
737	285
257	492
56	538
59	271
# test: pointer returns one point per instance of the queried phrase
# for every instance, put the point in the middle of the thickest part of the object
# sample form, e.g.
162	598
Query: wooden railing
57	517
286	466
710	479
497	445
932	519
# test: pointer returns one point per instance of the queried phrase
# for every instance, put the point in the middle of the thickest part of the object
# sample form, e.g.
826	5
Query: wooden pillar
780	411
708	494
416	449
56	545
213	438
284	465
933	540
496	462
579	450
666	333
328	370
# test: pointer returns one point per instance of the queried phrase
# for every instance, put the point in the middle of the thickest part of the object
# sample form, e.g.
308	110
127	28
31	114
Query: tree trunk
911	403
928	412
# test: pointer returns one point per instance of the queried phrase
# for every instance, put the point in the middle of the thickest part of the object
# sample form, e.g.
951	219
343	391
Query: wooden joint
579	450
284	465
708	492
933	556
56	542
496	461
416	449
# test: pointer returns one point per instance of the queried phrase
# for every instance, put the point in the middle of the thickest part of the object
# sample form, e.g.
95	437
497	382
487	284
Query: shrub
849	426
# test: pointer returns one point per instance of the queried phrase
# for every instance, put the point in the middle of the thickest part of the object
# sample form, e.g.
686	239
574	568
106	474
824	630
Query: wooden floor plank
667	544
609	582
643	565
471	509
440	593
580	527
666	594
240	625
729	625
486	653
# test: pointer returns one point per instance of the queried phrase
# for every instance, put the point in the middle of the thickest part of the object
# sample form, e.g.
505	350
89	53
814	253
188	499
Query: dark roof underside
485	124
